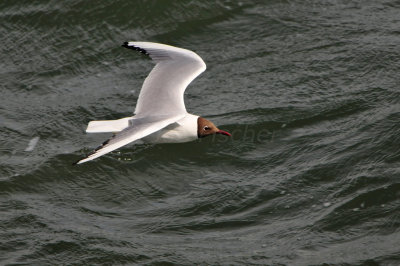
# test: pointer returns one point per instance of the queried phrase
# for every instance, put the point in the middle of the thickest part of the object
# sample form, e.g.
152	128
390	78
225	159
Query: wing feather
162	91
130	134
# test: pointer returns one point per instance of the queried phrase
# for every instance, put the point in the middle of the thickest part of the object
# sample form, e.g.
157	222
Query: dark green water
310	90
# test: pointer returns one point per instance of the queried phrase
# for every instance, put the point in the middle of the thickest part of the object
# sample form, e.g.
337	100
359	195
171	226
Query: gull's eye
206	128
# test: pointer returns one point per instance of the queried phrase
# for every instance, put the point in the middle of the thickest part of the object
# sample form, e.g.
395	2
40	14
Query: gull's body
160	114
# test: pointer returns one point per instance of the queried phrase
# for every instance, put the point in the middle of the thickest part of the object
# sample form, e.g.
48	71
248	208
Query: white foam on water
32	144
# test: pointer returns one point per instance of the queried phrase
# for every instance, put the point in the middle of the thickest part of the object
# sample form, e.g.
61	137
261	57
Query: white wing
140	128
162	91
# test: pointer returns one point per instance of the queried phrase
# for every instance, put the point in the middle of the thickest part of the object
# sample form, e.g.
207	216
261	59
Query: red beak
224	133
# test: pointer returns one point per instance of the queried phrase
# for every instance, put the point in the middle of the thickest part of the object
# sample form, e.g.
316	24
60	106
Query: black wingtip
95	150
126	45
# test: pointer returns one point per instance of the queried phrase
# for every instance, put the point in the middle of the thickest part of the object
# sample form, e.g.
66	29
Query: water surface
309	89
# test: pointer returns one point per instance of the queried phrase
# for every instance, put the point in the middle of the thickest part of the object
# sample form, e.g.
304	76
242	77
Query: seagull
160	115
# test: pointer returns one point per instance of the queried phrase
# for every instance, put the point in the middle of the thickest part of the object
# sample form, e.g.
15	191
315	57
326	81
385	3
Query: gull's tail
128	135
108	125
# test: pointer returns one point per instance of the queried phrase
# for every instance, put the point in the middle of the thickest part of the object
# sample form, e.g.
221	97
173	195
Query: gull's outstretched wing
162	91
138	130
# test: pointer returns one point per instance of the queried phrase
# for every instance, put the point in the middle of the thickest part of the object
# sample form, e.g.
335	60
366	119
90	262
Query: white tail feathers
108	125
